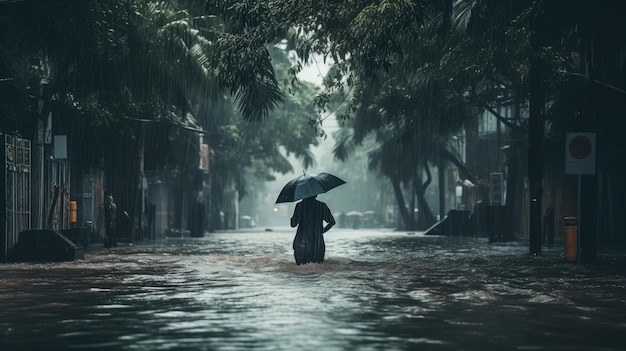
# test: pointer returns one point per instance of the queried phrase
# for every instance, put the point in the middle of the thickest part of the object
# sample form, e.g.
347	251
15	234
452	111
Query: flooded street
377	290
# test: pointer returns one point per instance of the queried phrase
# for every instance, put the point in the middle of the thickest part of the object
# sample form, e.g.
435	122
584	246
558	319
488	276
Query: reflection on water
376	291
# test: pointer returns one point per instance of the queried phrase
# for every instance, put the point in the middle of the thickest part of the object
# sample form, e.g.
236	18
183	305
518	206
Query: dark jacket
308	245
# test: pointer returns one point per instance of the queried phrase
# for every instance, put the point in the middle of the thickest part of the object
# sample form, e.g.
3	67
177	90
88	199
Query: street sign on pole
60	147
580	153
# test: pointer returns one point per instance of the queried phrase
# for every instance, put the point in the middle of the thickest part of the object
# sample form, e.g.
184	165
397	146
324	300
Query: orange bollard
571	238
73	211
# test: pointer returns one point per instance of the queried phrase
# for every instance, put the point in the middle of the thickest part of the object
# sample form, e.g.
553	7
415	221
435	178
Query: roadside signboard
580	153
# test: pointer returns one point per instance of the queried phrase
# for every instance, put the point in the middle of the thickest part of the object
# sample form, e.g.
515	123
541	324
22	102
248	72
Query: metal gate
16	184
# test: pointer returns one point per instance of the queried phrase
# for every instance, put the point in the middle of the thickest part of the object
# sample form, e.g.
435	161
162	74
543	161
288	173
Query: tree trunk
535	154
442	186
404	212
514	193
425	218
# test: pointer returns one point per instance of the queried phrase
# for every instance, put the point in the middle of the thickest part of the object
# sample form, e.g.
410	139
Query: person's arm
328	217
295	219
327	227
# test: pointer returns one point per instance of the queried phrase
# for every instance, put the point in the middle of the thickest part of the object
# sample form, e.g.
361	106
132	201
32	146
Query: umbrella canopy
308	185
354	214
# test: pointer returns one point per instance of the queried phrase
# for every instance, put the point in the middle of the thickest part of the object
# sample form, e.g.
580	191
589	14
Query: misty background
362	192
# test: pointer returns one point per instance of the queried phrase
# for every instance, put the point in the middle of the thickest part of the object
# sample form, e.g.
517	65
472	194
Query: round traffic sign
580	147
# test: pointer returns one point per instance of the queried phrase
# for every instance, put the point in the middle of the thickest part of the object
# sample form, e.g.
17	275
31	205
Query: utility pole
588	183
535	140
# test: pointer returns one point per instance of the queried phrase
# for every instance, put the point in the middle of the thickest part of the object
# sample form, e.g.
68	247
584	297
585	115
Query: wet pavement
377	290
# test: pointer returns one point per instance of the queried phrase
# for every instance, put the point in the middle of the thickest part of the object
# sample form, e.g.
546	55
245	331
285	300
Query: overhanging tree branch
505	121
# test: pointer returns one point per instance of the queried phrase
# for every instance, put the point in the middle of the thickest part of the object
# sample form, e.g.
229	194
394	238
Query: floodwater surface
377	290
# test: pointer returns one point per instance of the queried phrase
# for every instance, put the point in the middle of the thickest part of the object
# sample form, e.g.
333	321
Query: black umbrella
308	185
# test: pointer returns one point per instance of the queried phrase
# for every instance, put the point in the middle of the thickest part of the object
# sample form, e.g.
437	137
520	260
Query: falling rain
146	144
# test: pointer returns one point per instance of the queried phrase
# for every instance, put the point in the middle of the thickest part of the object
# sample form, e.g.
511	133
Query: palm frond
462	14
344	145
258	93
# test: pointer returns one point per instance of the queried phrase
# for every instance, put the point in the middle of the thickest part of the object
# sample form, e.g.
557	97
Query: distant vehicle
372	219
246	222
354	218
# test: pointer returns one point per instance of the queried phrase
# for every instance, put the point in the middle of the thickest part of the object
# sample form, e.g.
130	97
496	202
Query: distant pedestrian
109	211
309	216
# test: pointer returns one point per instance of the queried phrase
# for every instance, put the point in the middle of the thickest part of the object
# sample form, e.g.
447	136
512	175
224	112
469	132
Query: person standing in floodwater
109	212
309	216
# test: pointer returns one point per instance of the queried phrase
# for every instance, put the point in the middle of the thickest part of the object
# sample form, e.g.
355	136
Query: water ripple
376	290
